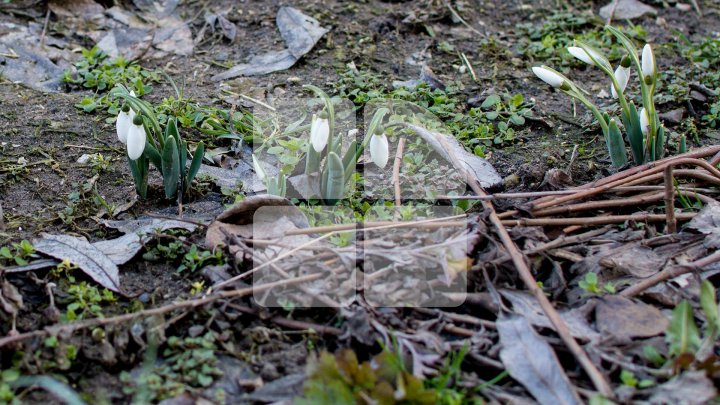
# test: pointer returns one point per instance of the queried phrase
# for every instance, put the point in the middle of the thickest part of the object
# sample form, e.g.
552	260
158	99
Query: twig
499	196
198	302
622	181
462	20
558	242
248	98
697	154
622	202
669	273
396	174
697	8
377	225
44	30
670	200
604	220
612	12
289	323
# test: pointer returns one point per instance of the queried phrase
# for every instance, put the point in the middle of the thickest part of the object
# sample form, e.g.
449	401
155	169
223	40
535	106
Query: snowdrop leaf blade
335	186
616	145
195	164
171	167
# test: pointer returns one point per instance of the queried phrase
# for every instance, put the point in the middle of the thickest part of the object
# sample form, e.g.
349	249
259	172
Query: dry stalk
55	330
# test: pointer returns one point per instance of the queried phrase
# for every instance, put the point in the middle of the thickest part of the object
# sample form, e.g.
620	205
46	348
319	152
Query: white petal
122	125
548	76
379	150
132	93
644	121
580	53
258	168
622	75
136	141
319	133
648	61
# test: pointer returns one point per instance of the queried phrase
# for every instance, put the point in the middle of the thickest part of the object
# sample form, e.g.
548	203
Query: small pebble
144	298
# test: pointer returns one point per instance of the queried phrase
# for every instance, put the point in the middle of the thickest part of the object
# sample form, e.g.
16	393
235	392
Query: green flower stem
647	92
598	115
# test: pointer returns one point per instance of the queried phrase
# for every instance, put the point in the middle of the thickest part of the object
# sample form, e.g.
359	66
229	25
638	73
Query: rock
673	116
626	10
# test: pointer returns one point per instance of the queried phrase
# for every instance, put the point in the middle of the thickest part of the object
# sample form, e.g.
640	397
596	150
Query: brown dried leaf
625	319
707	221
80	252
531	361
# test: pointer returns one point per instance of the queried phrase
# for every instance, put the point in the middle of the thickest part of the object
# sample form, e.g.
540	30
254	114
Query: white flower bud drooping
319	132
584	56
622	75
548	76
258	168
123	122
648	61
379	150
644	121
136	139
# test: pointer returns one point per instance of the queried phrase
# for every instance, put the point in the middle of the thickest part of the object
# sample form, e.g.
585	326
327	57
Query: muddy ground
45	192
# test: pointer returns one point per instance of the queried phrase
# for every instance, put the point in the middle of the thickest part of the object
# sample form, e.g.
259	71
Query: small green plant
591	286
7	394
95	70
85	300
342	379
196	259
683	335
190	365
643	128
629	379
147	142
20	253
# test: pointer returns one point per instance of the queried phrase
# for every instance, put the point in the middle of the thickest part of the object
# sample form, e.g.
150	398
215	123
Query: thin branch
588	221
54	330
669	273
670	220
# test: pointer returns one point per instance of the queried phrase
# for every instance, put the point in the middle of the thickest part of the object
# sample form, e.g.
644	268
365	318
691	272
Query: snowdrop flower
644	121
136	138
319	131
622	75
258	168
549	76
584	56
379	149
123	122
648	62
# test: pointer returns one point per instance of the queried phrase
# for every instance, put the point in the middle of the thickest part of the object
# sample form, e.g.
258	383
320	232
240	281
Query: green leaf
709	304
195	164
616	145
153	155
682	333
171	128
171	167
182	155
492	100
138	169
335	186
631	120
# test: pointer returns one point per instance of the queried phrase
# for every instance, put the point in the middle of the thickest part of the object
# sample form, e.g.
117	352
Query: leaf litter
612	325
